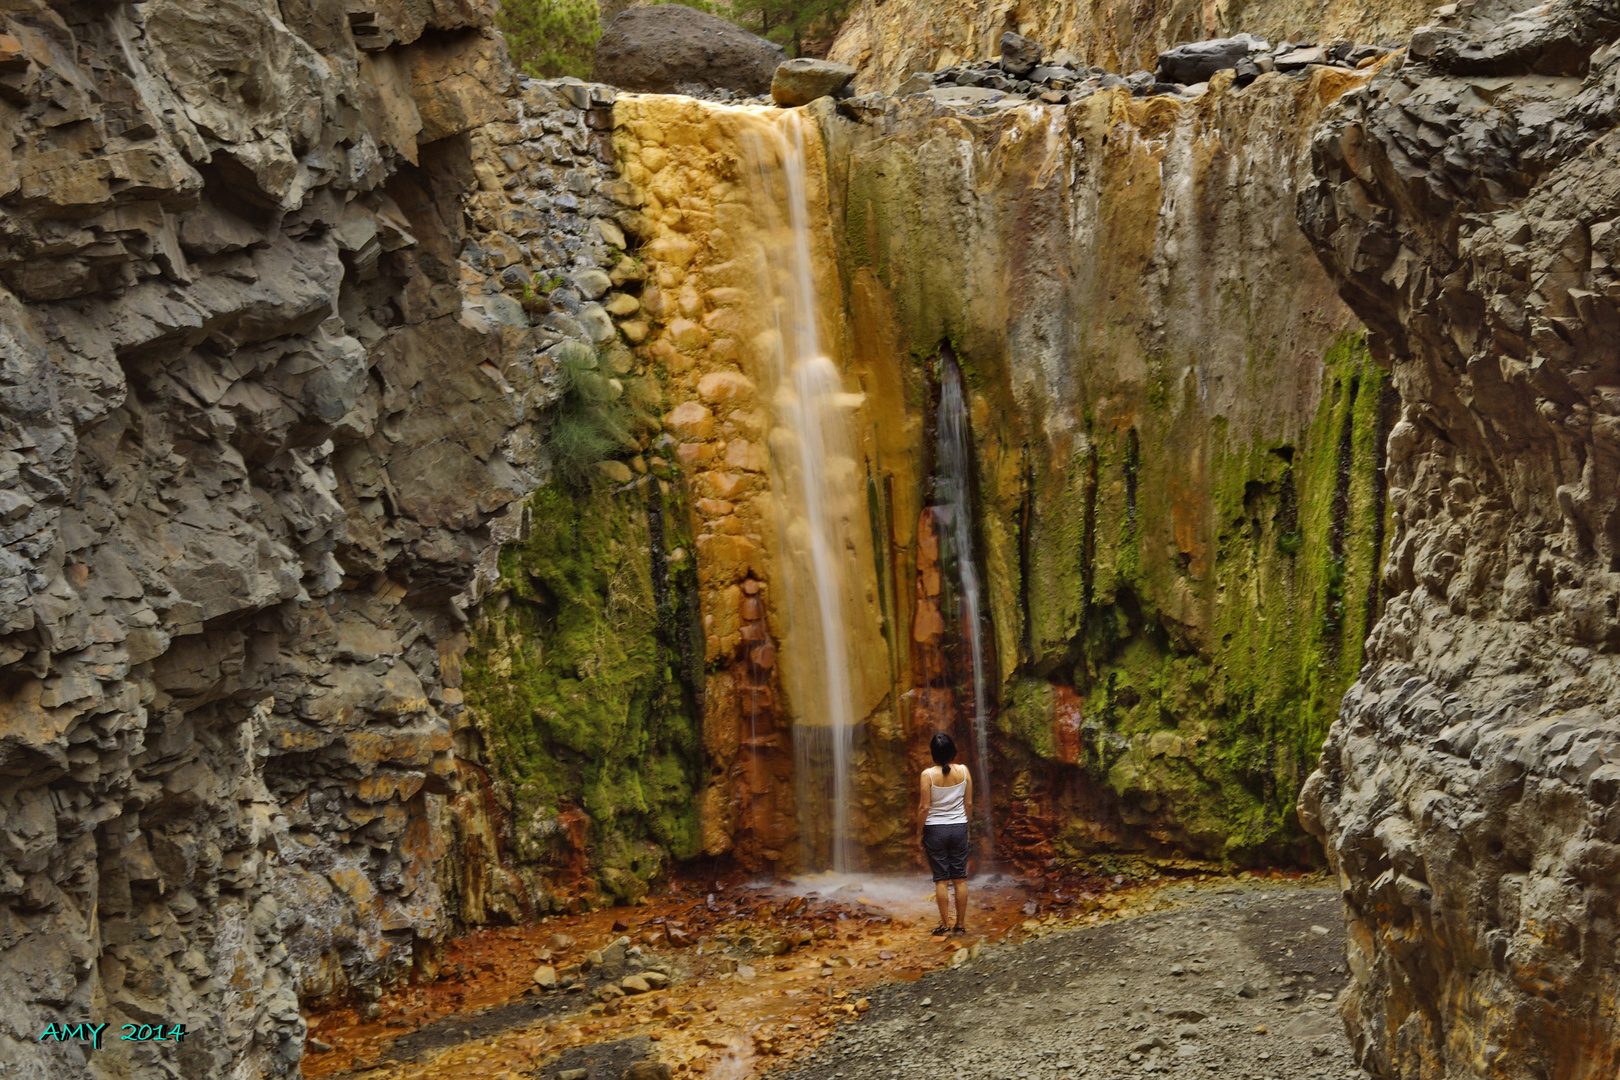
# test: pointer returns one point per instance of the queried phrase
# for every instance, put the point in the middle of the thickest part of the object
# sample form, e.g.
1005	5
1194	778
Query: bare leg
944	903
961	902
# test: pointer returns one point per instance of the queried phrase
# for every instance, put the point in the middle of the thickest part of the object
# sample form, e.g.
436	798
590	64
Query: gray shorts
947	850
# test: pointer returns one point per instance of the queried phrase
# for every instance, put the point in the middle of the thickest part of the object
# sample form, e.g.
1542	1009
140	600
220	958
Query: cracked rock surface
1466	200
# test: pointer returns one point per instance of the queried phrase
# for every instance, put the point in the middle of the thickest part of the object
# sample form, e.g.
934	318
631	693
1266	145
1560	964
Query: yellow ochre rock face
715	225
887	40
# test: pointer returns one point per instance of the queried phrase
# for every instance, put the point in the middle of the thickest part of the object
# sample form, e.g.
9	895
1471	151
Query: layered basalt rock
249	446
1465	201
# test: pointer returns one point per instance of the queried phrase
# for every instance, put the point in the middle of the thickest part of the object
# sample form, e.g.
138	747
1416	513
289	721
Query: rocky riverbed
1235	979
1193	974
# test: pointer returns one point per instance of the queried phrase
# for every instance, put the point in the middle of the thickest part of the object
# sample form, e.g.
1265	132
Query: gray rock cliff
251	440
1466	201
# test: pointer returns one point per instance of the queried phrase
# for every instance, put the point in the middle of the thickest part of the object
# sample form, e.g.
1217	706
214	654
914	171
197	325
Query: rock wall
250	443
585	670
1177	435
1466	202
888	41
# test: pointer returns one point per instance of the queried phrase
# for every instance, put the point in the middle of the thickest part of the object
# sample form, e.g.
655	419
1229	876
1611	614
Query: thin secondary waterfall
817	494
954	490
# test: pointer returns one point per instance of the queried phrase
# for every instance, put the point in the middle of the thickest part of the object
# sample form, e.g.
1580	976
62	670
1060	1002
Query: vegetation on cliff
581	678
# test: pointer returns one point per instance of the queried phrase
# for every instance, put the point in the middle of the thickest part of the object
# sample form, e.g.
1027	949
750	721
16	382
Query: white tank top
947	805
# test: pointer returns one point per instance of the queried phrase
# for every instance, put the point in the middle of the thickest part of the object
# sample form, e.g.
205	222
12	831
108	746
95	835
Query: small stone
592	283
1248	990
1177	969
617	471
648	1070
746	972
655	979
559	942
573	1074
634	984
1019	55
622	304
315	1046
1320	931
916	83
1296	59
545	977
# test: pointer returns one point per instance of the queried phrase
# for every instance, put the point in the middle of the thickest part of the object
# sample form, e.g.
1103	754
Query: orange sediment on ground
732	1003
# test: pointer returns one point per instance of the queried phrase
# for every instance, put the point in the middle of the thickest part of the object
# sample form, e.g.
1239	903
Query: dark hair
943	747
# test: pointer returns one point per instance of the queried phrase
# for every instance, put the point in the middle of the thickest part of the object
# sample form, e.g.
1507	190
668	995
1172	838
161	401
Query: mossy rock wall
1176	430
582	678
1176	485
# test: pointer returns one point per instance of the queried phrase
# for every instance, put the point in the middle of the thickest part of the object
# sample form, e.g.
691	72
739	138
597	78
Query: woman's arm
923	803
967	796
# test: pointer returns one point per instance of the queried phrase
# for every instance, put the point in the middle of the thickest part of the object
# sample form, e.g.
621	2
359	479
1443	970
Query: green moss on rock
581	680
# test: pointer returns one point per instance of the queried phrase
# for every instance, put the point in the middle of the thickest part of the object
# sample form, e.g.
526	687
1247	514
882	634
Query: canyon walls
1176	434
888	41
250	443
1466	202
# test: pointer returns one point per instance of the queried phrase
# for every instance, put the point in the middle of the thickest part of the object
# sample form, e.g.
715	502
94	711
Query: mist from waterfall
954	490
819	499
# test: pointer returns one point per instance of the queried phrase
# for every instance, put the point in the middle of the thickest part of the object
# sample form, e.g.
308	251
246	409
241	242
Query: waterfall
954	490
817	496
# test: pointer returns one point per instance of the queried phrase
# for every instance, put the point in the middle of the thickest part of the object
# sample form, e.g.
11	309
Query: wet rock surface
1465	202
670	48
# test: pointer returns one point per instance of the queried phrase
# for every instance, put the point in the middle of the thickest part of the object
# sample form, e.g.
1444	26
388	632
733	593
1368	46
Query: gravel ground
1237	981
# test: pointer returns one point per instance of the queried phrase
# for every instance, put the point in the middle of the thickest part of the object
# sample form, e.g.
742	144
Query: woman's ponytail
943	748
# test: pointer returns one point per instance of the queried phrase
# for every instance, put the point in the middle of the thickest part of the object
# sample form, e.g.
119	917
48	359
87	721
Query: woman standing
946	794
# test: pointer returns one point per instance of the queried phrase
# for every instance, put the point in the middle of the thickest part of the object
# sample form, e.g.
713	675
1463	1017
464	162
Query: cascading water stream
954	490
814	460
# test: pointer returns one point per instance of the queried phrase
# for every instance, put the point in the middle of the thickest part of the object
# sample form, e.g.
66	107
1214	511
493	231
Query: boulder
802	80
666	47
1019	55
1198	60
1295	59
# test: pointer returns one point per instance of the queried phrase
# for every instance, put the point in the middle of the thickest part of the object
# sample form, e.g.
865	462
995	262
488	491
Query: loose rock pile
1024	73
